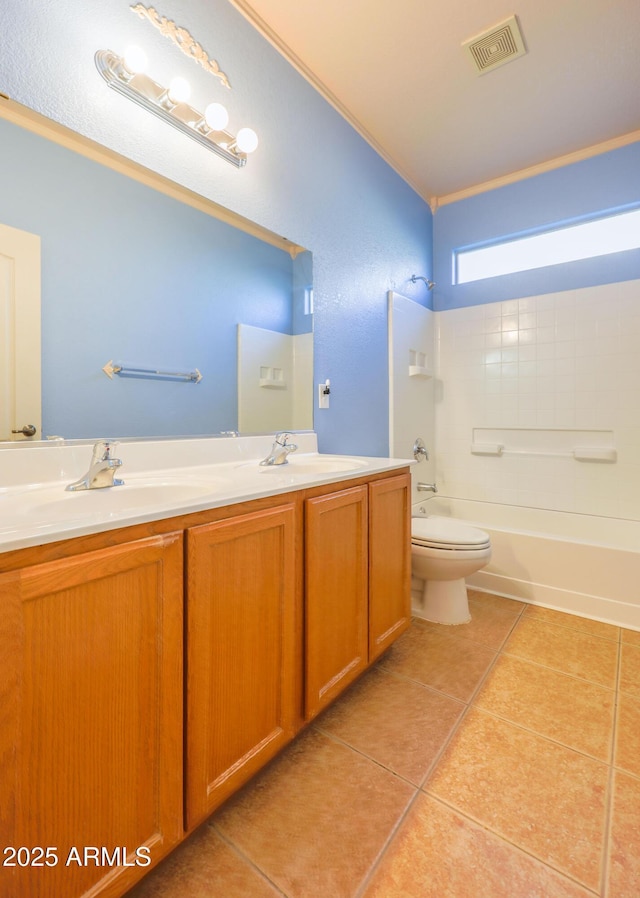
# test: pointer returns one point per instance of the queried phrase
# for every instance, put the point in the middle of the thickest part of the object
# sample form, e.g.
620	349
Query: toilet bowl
443	553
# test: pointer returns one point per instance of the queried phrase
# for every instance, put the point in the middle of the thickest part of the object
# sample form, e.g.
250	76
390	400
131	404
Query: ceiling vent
494	47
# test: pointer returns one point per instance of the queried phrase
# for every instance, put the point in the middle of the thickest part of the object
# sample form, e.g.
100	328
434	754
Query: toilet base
445	602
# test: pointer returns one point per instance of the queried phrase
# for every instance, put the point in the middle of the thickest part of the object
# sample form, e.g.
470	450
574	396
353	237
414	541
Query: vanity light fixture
126	75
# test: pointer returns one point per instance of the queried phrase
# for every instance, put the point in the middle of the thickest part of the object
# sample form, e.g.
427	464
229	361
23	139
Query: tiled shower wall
557	362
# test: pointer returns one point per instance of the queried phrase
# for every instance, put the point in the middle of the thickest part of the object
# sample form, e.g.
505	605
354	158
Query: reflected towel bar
112	368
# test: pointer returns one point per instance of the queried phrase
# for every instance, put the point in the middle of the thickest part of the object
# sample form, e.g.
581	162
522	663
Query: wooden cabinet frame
92	644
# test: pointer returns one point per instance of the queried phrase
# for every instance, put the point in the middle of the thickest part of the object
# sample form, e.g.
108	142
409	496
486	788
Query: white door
20	387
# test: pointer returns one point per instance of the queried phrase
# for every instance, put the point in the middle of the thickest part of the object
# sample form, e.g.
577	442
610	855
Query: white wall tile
566	360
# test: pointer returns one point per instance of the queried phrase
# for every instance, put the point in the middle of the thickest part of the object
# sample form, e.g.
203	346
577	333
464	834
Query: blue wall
608	181
312	179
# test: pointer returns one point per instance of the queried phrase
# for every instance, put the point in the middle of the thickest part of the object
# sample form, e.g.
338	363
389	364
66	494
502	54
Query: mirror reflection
136	278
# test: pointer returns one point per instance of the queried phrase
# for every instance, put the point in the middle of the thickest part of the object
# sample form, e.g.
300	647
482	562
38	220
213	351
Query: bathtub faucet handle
420	450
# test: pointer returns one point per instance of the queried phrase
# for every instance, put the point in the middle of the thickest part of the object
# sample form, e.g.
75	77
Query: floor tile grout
442	751
564	673
606	842
244	857
502	838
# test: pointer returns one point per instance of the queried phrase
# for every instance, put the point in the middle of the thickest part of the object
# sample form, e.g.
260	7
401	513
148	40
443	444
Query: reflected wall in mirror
132	275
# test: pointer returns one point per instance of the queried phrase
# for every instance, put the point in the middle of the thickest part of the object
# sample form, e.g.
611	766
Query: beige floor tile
490	600
396	722
630	636
627	753
542	797
489	626
439	854
568	651
204	867
624	851
316	819
630	669
573	622
436	658
575	712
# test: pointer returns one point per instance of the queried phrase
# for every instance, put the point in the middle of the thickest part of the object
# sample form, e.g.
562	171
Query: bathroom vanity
155	658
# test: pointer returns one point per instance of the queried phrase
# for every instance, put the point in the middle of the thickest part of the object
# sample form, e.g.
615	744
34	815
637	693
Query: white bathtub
583	564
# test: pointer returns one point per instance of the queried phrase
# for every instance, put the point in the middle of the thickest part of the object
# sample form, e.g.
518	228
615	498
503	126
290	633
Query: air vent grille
493	48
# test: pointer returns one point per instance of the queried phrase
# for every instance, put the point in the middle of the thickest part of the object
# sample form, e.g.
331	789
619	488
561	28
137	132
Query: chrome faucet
280	450
101	470
427	488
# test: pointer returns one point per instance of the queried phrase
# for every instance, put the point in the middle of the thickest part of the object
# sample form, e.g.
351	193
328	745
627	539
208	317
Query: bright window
597	237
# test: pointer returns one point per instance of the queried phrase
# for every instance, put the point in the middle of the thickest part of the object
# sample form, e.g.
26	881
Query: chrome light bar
155	98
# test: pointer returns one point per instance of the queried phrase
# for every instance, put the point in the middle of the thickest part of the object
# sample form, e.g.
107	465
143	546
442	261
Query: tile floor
496	759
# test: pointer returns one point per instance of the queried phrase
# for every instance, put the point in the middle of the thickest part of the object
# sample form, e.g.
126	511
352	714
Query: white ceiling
397	71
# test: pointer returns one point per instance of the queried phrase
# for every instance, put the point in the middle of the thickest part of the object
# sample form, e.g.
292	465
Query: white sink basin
306	465
53	504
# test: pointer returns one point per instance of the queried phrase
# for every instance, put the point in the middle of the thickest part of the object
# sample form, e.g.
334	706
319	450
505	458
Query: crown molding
285	50
559	162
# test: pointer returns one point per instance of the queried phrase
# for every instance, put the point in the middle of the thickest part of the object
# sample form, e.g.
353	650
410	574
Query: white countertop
162	479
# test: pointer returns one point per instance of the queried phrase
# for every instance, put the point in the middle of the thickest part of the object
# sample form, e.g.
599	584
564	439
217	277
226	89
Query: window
598	237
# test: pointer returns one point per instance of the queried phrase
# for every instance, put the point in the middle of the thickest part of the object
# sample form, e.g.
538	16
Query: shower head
418	277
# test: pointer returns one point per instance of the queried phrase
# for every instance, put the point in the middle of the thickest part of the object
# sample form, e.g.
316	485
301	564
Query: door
20	402
336	594
389	561
242	616
91	719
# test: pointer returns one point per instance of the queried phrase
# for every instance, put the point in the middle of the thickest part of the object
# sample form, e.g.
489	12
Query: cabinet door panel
241	670
389	561
91	719
336	594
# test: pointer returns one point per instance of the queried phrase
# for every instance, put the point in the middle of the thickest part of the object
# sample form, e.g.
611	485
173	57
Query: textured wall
313	179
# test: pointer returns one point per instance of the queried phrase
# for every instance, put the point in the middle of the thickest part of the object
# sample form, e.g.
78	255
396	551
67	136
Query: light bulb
179	90
134	60
216	116
246	140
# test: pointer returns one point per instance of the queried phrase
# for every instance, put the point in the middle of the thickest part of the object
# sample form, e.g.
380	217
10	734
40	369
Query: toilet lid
446	533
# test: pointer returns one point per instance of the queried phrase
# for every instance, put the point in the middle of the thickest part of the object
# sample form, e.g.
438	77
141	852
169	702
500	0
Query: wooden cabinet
287	601
336	610
358	582
243	611
389	561
91	718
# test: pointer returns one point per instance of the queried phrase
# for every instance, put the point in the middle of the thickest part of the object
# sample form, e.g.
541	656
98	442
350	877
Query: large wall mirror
142	279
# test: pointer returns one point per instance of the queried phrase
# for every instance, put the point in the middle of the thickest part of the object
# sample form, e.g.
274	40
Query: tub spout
427	488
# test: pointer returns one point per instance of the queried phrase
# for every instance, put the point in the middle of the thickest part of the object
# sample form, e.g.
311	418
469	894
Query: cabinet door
91	718
336	594
389	561
242	613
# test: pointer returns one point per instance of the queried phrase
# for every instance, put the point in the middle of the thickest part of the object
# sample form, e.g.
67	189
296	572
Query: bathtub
582	564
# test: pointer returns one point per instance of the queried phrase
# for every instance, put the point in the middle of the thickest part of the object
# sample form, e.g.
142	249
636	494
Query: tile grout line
246	858
499	837
432	767
606	841
366	879
572	676
532	618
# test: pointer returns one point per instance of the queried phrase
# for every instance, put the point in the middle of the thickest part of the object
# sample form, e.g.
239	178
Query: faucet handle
282	438
103	450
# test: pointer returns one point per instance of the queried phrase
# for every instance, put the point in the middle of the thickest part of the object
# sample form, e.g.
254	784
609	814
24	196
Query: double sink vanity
163	639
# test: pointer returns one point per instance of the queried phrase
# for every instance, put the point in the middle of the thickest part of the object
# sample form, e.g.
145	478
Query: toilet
443	552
